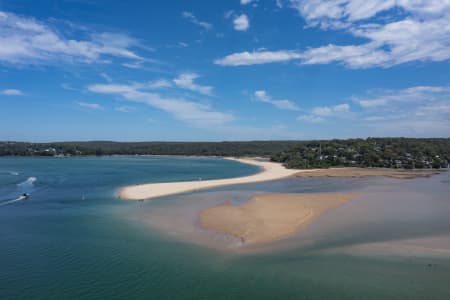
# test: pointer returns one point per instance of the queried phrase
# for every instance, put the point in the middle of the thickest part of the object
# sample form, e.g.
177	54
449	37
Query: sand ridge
270	217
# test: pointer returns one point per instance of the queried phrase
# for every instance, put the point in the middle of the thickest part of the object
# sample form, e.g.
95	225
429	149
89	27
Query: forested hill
370	152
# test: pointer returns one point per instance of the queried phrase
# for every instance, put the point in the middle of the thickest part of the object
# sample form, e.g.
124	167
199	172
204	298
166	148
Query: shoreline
270	171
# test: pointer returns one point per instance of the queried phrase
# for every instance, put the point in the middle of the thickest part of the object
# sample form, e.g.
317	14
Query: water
73	239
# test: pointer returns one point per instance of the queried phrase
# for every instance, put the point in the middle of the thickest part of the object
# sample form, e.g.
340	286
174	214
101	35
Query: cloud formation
90	105
408	31
11	92
319	113
257	57
262	96
241	23
193	113
186	81
193	19
412	111
28	41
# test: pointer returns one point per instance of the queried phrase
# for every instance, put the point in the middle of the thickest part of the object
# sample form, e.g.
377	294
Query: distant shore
368	172
270	171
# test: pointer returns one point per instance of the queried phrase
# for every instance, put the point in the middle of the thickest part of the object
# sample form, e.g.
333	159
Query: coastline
270	171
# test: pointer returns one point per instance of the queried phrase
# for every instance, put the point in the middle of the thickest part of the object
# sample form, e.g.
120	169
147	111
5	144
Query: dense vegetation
252	148
370	152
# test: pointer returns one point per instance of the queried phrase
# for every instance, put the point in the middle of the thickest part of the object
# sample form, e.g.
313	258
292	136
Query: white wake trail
12	201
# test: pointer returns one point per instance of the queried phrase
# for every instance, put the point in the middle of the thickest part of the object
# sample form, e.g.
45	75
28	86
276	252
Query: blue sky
223	70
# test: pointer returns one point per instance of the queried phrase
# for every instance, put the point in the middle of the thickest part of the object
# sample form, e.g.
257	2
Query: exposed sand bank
271	171
270	217
367	172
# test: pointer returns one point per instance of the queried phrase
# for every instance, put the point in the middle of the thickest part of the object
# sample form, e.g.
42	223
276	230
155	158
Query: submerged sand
367	172
270	217
270	171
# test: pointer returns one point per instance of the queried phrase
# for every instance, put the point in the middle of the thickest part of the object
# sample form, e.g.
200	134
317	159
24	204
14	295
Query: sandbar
270	171
270	217
368	172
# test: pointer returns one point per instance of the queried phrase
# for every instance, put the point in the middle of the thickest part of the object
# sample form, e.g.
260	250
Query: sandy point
269	171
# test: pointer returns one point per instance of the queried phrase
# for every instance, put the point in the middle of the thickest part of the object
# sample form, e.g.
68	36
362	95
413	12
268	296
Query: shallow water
74	240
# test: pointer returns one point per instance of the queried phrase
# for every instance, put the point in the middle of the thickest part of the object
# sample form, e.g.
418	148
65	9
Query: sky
77	70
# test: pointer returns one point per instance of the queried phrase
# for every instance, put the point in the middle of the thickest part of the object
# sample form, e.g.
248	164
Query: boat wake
29	182
13	200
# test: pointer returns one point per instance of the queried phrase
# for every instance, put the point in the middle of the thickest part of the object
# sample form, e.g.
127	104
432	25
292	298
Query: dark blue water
73	239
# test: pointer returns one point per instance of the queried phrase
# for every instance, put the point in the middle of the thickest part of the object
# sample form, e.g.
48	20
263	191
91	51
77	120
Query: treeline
251	148
406	153
370	152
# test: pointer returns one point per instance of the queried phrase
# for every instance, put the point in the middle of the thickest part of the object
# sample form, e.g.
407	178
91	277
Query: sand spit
270	171
270	217
367	172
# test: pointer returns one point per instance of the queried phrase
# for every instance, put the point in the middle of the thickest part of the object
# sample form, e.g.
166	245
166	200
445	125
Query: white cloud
158	84
106	77
319	113
414	111
193	113
258	57
245	2
262	96
11	92
89	105
28	41
326	111
310	119
125	108
186	81
408	95
323	12
193	19
416	30
241	22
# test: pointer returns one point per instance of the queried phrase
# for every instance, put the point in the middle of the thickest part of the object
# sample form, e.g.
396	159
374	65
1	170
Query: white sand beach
270	171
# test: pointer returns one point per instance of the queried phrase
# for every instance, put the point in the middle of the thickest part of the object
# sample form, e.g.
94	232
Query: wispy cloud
125	108
193	19
262	96
186	81
257	57
409	95
159	84
193	113
310	119
420	32
28	41
320	113
11	92
412	111
245	2
241	22
94	106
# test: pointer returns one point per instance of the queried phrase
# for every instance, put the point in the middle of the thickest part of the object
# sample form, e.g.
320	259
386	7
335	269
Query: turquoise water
72	239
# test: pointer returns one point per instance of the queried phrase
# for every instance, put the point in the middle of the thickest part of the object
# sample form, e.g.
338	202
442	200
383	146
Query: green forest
371	152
